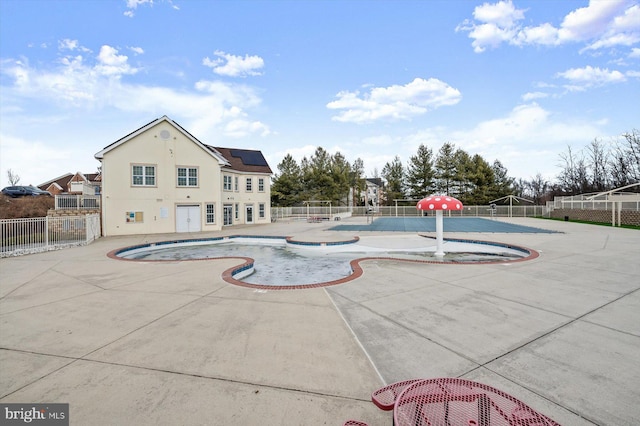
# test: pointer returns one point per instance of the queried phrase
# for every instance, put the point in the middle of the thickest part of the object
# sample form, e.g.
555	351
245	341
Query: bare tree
573	178
13	178
598	159
539	188
633	150
624	162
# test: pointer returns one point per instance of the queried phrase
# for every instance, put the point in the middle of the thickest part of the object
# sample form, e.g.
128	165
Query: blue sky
517	81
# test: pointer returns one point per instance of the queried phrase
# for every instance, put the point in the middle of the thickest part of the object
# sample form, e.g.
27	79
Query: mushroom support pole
439	234
439	203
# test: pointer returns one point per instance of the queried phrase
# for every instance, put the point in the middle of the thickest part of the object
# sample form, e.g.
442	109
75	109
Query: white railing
591	202
77	202
34	235
521	210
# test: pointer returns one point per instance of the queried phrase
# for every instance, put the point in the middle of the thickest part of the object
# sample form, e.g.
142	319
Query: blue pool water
451	224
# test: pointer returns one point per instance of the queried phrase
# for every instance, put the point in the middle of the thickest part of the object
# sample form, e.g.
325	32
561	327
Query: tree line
599	167
332	178
453	171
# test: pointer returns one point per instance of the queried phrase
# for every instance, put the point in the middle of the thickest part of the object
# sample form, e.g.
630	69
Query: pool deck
171	343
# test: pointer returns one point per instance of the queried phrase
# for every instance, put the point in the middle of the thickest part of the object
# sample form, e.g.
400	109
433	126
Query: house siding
152	209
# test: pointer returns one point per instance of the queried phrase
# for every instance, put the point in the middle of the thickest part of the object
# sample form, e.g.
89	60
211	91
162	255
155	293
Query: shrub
23	207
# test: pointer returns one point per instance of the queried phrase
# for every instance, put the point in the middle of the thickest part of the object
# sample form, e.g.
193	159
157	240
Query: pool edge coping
356	269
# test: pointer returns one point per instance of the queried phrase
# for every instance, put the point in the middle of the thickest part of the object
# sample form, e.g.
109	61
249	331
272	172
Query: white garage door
188	219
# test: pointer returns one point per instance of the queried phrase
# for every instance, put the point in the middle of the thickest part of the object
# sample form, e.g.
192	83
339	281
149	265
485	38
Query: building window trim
210	213
226	182
186	177
144	175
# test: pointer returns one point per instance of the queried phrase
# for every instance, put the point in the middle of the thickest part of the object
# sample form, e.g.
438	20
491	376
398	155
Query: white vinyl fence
34	235
77	202
329	213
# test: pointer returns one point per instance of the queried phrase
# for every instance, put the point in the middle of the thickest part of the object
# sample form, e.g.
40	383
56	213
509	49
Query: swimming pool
283	263
451	224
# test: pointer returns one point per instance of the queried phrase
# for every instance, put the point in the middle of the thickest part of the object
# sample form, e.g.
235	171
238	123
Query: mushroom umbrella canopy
439	203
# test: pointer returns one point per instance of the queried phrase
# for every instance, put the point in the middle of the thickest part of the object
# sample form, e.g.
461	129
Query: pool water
277	263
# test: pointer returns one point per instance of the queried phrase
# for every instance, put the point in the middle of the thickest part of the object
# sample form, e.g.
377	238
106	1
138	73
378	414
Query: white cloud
42	161
99	83
635	52
240	128
545	34
112	64
68	44
524	139
534	95
133	5
234	66
394	102
137	50
586	23
581	78
601	24
503	13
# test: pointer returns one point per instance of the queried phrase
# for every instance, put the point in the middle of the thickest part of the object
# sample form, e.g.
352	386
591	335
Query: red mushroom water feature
439	203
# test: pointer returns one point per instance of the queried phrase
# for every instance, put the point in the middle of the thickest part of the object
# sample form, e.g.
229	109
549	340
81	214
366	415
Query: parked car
22	191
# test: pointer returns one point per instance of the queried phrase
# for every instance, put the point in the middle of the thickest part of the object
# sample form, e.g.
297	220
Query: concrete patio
171	343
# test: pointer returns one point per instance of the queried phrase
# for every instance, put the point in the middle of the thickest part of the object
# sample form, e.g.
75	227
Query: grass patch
588	222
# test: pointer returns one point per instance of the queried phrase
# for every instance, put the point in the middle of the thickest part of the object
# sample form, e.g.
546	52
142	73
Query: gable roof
244	160
63	181
100	155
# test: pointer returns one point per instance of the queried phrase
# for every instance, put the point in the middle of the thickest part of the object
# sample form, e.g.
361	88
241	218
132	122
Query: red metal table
461	402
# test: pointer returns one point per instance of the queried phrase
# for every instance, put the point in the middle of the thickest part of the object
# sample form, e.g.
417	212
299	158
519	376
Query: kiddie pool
282	263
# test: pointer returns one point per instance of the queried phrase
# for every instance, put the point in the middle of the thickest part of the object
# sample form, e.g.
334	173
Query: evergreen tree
445	168
482	182
286	189
462	174
503	184
340	179
420	173
357	180
393	174
317	176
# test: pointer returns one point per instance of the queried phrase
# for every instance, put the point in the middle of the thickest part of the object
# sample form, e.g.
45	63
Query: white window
261	211
226	179
211	213
187	176
249	186
260	184
235	184
143	175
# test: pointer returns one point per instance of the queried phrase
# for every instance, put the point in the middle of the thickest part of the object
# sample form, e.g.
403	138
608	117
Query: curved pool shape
281	263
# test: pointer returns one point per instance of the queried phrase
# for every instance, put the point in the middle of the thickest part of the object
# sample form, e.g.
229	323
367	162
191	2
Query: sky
515	81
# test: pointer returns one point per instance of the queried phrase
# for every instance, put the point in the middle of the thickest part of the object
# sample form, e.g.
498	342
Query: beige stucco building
161	179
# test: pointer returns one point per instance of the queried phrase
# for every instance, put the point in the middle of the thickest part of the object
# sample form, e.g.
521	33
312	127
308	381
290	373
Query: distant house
161	179
373	194
76	184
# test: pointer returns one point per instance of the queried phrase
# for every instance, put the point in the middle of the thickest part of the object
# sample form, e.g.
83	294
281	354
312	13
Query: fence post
46	232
